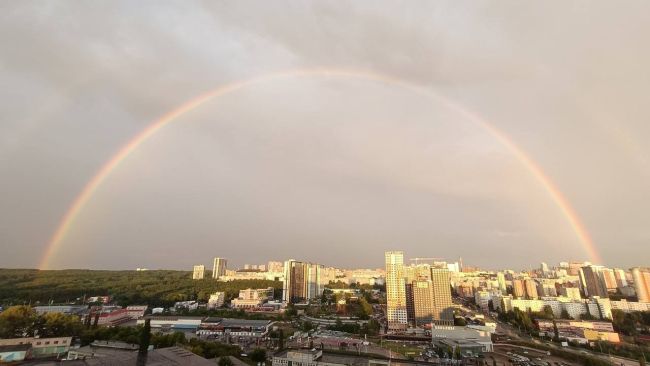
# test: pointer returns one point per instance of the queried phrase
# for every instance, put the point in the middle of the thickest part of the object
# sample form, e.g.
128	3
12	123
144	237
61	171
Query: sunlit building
501	279
301	282
423	302
219	267
395	291
621	278
518	289
641	277
216	300
531	288
199	272
592	281
443	313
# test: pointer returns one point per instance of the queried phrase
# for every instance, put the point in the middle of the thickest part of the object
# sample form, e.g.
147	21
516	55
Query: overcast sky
324	168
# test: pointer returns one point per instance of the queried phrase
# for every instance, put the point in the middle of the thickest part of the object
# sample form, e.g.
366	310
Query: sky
323	167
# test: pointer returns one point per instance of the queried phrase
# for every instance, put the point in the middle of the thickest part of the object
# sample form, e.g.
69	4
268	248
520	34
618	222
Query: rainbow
105	171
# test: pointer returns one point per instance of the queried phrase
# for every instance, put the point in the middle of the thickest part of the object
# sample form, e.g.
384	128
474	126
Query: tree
642	361
460	321
307	326
58	325
373	327
258	355
145	337
281	339
457	354
17	322
366	309
225	361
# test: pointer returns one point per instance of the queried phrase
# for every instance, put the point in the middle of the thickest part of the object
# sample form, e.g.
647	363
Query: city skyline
160	135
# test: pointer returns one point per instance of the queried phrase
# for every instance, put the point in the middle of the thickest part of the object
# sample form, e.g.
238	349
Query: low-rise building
15	353
188	305
252	298
580	331
630	306
234	327
181	323
38	347
64	309
136	311
302	358
216	300
114	317
467	336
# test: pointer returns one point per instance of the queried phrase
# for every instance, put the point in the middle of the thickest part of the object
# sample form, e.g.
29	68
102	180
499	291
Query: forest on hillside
153	288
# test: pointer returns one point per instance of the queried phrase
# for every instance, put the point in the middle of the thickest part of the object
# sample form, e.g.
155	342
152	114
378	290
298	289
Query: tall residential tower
395	291
301	282
219	267
641	277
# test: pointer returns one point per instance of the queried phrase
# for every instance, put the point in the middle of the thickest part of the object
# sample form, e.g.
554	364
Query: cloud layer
327	169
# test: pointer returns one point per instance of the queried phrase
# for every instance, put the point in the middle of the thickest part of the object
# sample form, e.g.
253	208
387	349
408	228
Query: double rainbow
105	171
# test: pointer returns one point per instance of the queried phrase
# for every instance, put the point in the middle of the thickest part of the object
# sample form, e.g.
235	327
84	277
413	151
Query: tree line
160	288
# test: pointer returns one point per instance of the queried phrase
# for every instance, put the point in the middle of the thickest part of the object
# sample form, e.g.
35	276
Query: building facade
199	272
443	313
396	313
219	266
641	277
301	282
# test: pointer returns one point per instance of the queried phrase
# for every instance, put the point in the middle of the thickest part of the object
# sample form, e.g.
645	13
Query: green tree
225	361
365	309
145	337
281	339
17	321
58	325
307	326
258	355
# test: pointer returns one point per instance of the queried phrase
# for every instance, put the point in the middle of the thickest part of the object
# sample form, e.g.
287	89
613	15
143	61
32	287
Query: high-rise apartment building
592	281
301	282
199	272
219	267
621	278
501	280
395	291
544	268
423	302
443	311
531	288
609	278
518	289
641	278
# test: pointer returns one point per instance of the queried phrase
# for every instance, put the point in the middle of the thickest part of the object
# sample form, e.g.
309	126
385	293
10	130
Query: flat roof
228	322
15	347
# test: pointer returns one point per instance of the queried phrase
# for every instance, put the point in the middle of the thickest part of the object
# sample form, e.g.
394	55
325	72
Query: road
613	359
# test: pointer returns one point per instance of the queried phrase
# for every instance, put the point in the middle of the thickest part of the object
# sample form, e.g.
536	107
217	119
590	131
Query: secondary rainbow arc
123	153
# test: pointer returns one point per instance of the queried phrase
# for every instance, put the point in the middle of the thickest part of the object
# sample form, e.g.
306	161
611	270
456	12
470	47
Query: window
56	342
38	343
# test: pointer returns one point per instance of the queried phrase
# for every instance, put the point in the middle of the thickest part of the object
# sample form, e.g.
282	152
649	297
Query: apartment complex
199	272
301	282
219	266
395	291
